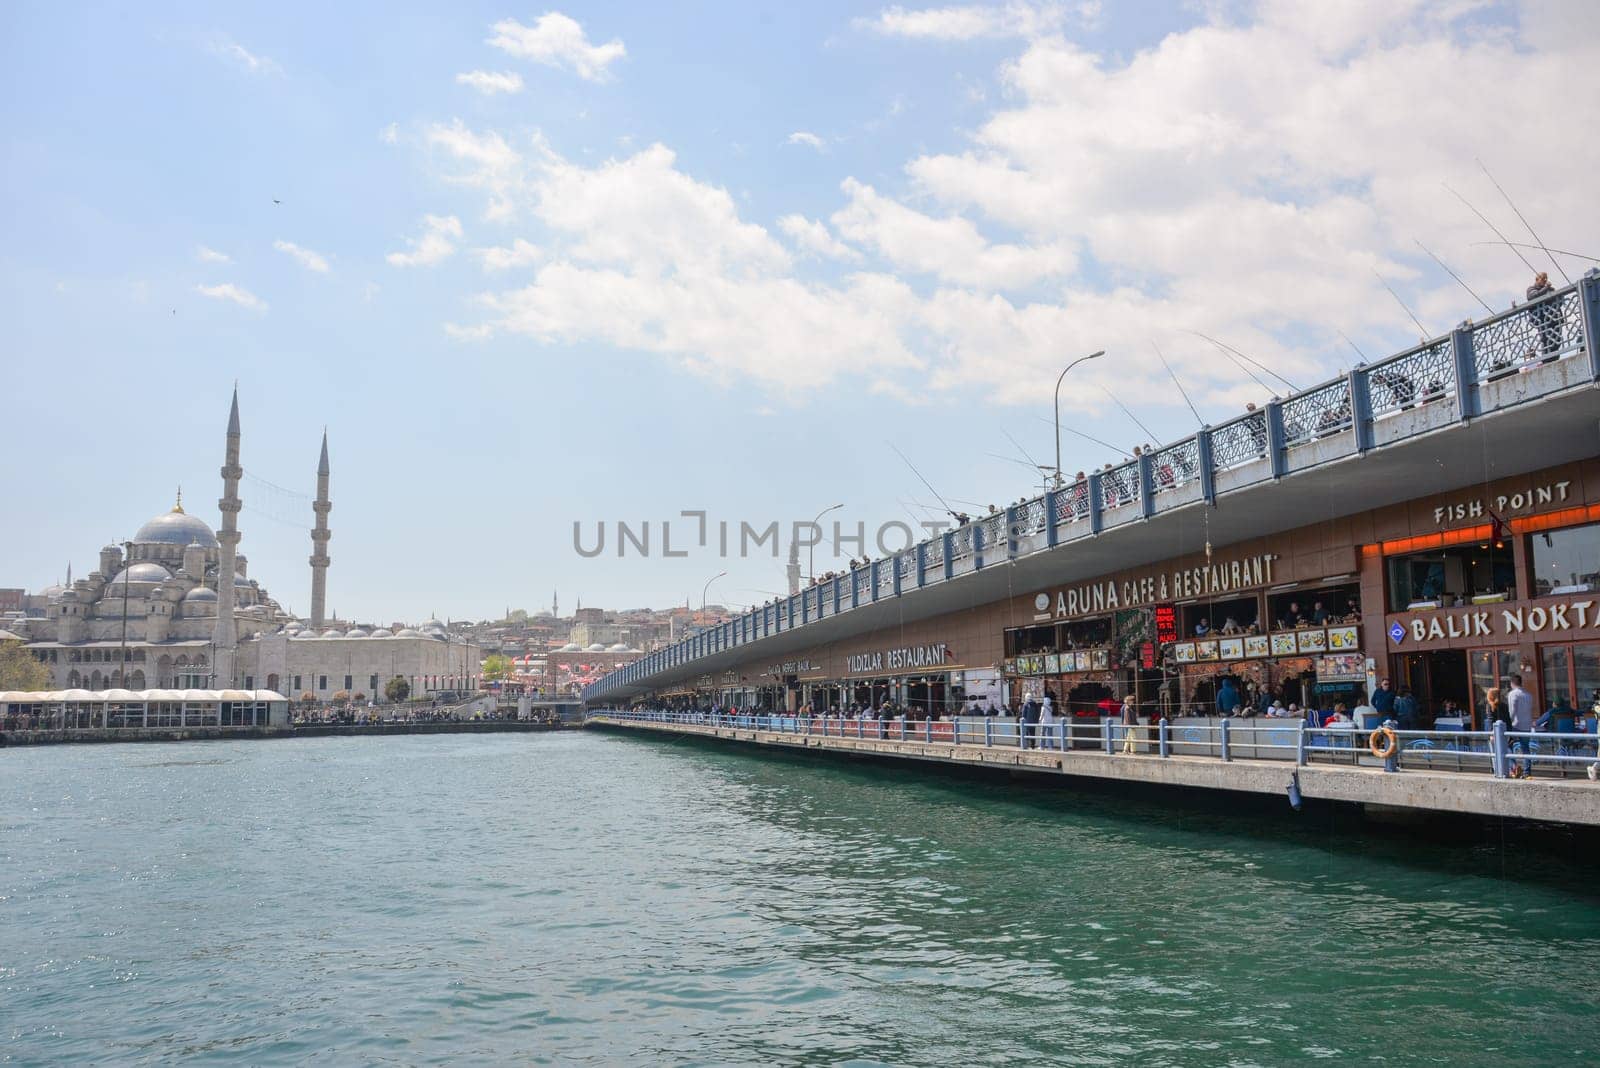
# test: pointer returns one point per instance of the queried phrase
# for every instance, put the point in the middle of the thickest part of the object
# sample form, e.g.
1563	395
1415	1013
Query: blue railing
1438	383
1500	753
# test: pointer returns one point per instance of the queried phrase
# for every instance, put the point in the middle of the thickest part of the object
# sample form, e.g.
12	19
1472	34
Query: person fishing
1546	316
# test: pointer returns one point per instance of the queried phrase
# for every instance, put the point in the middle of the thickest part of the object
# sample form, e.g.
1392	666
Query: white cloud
211	255
556	40
1241	178
311	261
475	332
228	291
243	58
520	254
390	134
966	22
803	137
815	239
951	248
489	162
491	82
433	246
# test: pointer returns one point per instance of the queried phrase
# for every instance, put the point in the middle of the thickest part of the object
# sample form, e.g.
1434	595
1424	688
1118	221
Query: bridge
1532	371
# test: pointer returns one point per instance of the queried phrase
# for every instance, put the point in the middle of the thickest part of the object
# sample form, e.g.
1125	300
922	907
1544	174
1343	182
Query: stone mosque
162	598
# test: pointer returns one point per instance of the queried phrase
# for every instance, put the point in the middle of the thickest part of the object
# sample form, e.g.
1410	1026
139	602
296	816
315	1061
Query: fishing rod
924	481
1148	433
1503	239
1400	302
1175	382
1086	437
1353	345
1229	348
1520	216
1453	274
1241	366
1557	251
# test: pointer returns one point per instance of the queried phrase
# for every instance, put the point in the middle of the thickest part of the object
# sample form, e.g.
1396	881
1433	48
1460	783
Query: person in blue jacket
1227	698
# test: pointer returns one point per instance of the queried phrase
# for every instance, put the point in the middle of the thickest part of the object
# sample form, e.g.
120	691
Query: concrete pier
1571	801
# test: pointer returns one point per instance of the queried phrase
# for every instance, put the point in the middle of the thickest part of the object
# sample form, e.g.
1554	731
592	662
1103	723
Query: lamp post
811	550
704	589
1070	366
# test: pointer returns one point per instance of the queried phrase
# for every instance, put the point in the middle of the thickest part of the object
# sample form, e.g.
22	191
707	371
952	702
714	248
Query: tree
496	668
21	670
360	698
340	697
308	698
397	689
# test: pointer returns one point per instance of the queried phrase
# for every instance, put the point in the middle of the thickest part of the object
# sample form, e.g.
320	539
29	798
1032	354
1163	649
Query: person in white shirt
1363	710
1519	705
1047	723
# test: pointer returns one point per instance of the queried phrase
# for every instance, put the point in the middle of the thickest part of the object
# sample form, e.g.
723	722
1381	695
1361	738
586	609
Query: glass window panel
1586	676
1557	681
1566	561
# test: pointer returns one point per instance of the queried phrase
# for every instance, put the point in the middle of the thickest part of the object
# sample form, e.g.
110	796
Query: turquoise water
593	899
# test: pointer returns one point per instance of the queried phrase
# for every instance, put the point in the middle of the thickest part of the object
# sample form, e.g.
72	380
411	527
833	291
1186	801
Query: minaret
794	567
226	638
319	540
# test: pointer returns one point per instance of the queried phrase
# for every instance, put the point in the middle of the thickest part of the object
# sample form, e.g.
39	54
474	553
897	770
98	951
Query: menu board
1183	652
1081	662
1101	659
1343	638
1283	645
1231	648
1053	664
1342	667
1206	650
1312	641
1256	646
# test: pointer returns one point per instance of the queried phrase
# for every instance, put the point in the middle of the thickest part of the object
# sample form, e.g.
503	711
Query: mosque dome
571	647
408	632
357	632
620	647
333	632
595	648
303	635
176	528
199	593
143	572
383	632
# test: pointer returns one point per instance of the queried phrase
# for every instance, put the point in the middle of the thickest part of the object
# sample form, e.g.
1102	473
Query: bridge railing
1432	385
1500	753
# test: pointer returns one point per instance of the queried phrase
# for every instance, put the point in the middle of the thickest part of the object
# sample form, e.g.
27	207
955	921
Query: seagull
275	200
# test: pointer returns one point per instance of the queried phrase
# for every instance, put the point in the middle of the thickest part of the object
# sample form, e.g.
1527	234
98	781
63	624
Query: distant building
179	599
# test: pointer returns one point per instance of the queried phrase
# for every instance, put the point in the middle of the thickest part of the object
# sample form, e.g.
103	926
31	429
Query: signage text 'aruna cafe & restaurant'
1205	580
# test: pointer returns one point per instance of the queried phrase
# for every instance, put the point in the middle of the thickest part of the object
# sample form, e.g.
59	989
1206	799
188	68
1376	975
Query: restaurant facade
1447	595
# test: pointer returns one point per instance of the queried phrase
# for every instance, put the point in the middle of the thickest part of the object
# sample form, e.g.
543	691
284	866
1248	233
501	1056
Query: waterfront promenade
301	730
1252	766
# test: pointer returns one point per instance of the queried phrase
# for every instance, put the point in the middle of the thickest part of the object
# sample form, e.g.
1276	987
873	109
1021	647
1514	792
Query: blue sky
710	257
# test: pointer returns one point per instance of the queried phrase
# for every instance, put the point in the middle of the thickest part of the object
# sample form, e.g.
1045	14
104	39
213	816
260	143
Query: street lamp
811	550
706	588
1070	366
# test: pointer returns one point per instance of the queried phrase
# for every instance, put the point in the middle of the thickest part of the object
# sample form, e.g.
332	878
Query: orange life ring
1388	751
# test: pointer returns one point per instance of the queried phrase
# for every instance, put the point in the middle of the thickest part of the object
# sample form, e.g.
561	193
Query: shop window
1444	578
1326	607
1492	668
1026	640
1085	634
1566	561
1571	676
1235	615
